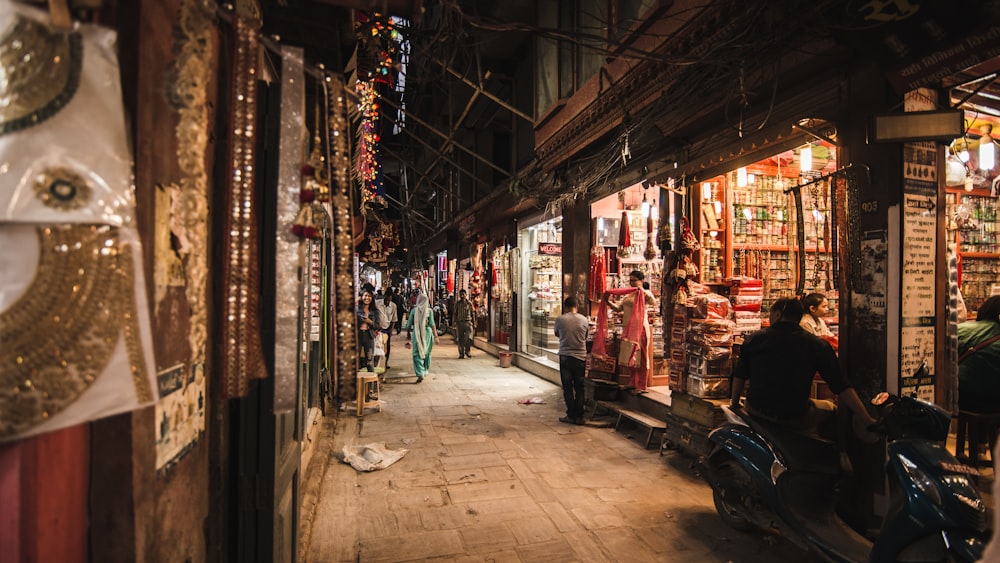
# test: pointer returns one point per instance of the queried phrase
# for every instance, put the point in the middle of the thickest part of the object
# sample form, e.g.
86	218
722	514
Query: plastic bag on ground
369	457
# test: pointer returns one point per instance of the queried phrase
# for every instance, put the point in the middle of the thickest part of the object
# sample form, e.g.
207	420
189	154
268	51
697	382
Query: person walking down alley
464	314
571	329
388	316
420	329
397	298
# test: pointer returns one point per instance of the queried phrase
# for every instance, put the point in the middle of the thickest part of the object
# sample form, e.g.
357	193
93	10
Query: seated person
978	376
781	360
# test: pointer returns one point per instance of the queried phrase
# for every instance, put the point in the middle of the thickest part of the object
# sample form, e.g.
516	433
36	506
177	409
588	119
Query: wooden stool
368	386
975	429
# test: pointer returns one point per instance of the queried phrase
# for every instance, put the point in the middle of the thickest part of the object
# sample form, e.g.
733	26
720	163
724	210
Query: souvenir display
75	343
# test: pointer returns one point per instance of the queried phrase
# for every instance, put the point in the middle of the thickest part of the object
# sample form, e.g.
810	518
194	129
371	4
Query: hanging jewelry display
339	165
57	339
242	355
75	338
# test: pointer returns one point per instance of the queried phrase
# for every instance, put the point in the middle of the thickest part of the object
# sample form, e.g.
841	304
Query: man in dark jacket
781	362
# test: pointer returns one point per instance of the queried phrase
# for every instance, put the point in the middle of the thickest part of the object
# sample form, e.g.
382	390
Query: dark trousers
366	349
572	371
464	337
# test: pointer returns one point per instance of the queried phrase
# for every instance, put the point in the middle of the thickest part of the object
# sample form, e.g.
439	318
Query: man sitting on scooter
782	360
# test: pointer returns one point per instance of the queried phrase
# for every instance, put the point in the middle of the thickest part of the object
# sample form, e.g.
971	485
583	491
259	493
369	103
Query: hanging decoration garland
242	350
315	188
378	66
339	165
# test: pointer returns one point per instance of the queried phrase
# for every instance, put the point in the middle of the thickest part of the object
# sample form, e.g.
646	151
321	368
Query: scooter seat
800	452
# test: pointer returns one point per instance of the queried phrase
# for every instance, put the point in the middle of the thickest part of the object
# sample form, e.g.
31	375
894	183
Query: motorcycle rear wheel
732	478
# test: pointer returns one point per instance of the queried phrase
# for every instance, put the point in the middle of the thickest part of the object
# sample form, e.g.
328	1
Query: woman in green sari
420	327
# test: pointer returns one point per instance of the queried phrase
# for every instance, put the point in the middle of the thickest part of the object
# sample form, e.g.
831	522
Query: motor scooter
764	476
441	317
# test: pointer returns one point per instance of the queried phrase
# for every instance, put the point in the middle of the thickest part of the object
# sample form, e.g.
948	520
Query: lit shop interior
972	182
751	225
541	283
627	231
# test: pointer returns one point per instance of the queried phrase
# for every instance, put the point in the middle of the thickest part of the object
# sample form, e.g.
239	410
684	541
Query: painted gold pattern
39	73
62	189
188	89
60	335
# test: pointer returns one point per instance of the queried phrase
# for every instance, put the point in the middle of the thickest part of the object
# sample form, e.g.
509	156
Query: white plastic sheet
370	457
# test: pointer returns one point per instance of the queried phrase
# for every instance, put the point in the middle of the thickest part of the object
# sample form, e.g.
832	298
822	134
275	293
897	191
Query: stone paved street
487	478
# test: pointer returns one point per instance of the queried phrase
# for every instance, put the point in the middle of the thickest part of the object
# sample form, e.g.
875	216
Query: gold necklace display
57	338
41	73
62	188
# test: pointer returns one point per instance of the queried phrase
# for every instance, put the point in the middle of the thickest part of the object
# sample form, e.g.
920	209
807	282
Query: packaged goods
709	306
708	387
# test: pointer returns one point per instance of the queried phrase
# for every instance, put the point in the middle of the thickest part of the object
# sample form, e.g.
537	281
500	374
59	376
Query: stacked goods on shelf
709	346
601	367
747	296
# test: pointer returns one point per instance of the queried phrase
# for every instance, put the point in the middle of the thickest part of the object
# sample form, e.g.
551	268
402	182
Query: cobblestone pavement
489	478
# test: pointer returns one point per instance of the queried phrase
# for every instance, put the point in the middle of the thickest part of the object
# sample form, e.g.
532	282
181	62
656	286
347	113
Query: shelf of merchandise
977	237
711	229
761	238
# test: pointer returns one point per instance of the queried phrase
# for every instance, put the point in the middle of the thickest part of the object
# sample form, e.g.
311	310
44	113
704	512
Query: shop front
540	278
625	238
501	319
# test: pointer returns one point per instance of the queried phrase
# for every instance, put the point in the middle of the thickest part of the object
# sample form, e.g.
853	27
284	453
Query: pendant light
806	159
986	148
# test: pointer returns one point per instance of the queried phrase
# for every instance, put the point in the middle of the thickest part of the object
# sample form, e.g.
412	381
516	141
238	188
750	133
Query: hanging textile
635	339
597	282
624	237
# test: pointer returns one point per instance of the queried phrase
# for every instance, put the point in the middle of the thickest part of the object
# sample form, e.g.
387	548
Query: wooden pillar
43	497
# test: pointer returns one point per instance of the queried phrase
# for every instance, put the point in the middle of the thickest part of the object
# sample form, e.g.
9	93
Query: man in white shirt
388	316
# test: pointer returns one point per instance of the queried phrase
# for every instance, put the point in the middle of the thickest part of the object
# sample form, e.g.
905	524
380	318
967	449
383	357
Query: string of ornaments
312	218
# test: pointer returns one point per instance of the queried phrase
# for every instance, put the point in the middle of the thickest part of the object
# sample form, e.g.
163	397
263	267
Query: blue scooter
768	478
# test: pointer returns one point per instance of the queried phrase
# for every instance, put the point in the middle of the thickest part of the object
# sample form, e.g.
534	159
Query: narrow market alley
489	478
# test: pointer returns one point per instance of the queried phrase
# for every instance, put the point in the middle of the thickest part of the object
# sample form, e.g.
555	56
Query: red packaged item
710	332
744	282
709	306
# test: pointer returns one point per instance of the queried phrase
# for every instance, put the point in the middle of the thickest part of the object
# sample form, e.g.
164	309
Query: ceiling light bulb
806	159
645	206
986	151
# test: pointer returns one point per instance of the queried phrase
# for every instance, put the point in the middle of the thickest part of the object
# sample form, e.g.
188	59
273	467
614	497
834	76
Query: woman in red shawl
636	325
